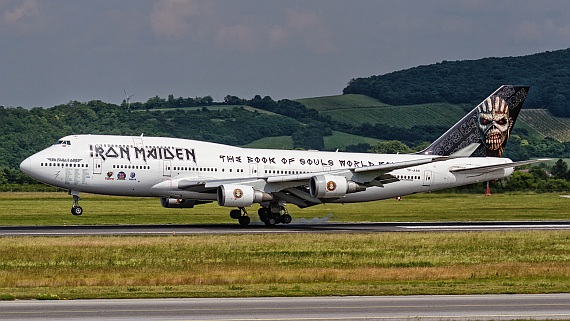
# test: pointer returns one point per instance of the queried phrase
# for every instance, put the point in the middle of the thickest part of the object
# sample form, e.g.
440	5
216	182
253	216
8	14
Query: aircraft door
256	170
97	164
428	178
166	169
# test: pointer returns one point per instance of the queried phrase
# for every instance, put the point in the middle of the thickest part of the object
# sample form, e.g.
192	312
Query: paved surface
468	307
310	227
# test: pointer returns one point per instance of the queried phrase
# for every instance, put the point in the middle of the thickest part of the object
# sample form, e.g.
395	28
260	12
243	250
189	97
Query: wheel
286	219
270	221
263	214
235	214
76	210
244	220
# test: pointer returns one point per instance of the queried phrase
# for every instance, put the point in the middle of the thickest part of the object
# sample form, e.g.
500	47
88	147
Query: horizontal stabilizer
490	168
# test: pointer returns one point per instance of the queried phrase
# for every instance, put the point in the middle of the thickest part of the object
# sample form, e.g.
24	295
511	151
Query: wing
293	188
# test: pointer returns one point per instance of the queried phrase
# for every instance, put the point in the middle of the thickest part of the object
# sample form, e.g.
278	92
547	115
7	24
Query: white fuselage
131	166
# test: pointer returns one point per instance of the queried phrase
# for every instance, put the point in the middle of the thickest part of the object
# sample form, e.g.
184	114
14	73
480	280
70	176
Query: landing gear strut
75	208
240	215
274	214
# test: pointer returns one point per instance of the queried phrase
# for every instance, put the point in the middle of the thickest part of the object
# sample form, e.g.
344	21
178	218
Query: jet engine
329	186
177	202
240	196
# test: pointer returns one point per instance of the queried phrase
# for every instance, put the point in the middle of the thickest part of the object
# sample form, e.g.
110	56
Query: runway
309	227
444	307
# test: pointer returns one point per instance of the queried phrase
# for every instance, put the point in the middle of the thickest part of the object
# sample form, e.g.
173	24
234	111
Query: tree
391	147
560	169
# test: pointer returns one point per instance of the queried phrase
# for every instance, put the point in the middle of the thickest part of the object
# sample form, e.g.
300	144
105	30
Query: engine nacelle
330	186
240	196
177	202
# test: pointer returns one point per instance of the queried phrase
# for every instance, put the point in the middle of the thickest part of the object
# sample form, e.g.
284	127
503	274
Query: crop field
399	116
360	109
341	102
290	264
546	124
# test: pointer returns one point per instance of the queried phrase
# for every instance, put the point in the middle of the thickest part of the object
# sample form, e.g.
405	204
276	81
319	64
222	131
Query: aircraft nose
26	165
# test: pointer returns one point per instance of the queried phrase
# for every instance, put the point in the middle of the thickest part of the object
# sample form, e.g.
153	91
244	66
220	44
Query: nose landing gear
75	208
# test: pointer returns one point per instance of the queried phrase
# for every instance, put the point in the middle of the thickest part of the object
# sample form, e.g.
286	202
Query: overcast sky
60	50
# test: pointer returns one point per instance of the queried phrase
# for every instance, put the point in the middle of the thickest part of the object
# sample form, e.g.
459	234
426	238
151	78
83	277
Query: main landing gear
240	215
75	208
274	214
271	215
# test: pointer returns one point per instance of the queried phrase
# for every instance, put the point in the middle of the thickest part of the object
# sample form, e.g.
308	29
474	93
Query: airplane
184	173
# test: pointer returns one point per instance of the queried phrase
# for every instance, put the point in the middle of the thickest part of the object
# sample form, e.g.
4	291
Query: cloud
238	37
312	30
216	23
177	19
24	10
23	16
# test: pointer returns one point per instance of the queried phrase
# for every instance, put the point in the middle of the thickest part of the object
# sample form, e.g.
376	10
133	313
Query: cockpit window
63	142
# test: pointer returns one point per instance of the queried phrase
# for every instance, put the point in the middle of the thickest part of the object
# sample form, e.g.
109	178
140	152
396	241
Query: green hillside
338	140
546	124
281	142
213	108
470	81
330	103
356	109
400	116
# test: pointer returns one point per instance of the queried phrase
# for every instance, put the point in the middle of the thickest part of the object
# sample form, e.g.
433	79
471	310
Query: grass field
54	209
284	264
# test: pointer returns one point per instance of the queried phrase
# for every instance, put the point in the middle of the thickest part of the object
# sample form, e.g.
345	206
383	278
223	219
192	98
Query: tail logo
489	124
495	124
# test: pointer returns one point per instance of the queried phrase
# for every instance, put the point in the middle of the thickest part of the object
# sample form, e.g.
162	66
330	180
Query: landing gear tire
285	218
76	210
271	221
244	220
240	215
235	214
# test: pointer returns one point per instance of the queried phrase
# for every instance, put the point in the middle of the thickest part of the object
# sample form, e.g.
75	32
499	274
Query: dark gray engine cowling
177	203
330	186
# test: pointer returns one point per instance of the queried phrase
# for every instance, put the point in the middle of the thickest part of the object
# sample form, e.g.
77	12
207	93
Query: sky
53	52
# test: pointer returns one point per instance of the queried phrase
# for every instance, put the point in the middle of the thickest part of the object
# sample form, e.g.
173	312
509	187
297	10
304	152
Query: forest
469	81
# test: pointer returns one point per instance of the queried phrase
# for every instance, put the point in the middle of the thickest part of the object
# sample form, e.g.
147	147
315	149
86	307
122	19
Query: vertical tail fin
489	124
